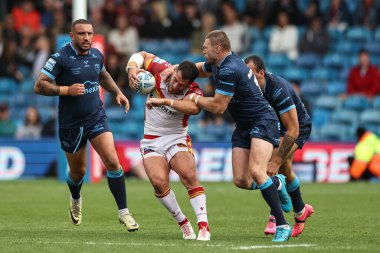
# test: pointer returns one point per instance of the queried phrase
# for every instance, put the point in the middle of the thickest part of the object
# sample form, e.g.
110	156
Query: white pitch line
273	246
201	244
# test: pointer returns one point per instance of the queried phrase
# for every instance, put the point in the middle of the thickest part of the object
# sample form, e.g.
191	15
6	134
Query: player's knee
242	183
159	183
77	175
112	163
189	180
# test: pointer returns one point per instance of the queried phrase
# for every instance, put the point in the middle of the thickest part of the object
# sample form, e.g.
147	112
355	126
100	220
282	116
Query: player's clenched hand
272	169
77	89
132	77
152	102
121	99
167	73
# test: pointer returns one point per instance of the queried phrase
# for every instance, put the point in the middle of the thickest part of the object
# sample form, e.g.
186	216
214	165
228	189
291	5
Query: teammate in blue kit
74	74
257	127
295	130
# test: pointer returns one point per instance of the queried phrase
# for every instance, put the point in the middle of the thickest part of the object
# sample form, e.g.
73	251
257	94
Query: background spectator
26	16
284	37
235	30
7	124
316	38
338	15
363	78
32	127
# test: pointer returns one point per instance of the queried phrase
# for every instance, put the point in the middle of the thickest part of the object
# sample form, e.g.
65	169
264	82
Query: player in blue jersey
257	127
295	130
74	74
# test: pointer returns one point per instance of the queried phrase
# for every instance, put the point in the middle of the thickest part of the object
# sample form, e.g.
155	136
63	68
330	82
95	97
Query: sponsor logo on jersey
97	68
94	88
75	71
49	65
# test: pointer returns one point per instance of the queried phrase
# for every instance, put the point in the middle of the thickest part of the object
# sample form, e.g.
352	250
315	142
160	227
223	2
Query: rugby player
74	74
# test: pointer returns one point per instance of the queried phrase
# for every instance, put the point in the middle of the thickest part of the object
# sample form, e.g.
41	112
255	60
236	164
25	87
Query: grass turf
34	218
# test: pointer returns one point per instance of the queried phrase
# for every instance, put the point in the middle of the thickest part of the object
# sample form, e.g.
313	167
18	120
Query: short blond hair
218	37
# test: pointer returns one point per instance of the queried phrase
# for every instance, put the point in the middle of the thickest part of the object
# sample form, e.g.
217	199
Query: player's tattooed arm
44	85
286	146
108	83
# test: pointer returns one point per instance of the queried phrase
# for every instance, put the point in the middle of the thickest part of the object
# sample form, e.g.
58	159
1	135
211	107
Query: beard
82	48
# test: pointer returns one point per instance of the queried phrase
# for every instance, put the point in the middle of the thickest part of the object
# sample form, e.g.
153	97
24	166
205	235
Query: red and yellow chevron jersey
164	120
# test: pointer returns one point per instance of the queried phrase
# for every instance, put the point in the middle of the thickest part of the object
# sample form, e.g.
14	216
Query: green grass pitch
34	218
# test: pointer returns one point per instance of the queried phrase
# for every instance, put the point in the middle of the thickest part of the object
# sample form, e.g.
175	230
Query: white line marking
273	246
233	247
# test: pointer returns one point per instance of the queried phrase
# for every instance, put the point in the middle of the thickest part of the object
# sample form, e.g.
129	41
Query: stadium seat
312	89
347	48
356	102
267	32
315	134
334	132
254	34
373	48
323	74
370	117
336	87
8	86
259	47
308	60
327	102
358	34
335	61
320	117
296	74
343	116
377	35
376	102
115	113
336	36
277	61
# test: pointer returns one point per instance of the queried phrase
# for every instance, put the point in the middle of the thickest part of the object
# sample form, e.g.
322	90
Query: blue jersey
282	97
67	67
235	79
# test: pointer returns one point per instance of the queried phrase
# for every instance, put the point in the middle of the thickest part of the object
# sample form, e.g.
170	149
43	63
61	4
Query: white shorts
166	146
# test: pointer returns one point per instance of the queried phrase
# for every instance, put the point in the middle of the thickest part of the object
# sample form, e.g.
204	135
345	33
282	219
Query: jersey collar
73	48
228	54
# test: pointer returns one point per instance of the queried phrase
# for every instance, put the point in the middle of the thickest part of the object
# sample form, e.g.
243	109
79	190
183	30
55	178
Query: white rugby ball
147	82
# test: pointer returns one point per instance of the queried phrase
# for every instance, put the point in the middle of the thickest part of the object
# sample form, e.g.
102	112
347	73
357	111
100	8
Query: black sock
74	187
294	191
116	183
269	192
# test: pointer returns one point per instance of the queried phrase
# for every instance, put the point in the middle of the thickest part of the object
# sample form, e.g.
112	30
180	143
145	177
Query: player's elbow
195	111
219	110
293	131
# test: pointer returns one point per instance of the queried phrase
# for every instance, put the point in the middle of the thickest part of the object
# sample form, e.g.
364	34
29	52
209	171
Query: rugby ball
147	82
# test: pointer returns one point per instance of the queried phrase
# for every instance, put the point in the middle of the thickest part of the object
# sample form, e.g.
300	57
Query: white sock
198	202
76	201
299	214
170	202
123	211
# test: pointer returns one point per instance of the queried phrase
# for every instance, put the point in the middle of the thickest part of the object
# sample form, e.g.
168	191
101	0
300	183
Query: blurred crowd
28	31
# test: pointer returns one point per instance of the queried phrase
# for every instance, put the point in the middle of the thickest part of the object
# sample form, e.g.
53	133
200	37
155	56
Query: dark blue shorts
72	139
303	136
268	130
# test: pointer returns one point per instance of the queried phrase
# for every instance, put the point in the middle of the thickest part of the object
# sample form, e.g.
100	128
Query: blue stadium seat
335	61
324	74
254	34
267	32
334	132
296	74
194	57
115	113
152	46
373	48
8	86
377	35
277	61
327	102
259	47
312	89
336	36
320	117
356	102
370	117
336	87
376	102
315	134
347	48
27	85
358	34
347	117
308	60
